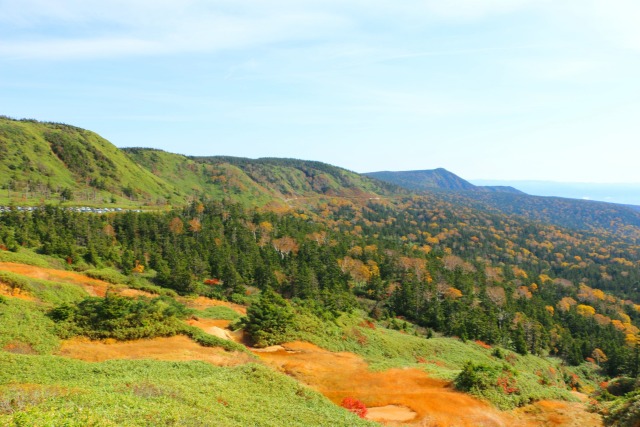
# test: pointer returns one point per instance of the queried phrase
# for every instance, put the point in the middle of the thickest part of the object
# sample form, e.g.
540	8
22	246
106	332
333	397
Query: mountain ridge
51	162
439	178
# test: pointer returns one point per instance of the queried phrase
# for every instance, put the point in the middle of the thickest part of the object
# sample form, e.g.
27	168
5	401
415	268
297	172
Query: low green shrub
119	317
208	340
624	411
217	312
108	275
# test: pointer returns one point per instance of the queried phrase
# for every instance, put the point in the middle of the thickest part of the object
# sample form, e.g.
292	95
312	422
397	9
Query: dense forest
461	272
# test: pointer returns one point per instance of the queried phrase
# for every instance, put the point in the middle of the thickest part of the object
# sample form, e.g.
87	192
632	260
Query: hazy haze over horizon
623	193
503	89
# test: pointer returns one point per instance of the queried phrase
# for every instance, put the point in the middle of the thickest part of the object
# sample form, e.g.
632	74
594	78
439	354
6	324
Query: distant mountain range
421	180
567	212
626	194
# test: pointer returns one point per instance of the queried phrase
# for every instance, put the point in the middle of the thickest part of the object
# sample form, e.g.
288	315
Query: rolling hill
258	181
50	161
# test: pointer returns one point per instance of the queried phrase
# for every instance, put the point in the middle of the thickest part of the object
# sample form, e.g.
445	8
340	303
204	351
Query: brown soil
213	327
94	287
391	414
178	348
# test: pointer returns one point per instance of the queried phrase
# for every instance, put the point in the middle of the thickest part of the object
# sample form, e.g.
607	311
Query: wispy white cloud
79	29
93	28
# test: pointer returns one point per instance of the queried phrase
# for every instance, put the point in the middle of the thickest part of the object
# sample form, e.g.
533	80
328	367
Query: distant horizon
620	193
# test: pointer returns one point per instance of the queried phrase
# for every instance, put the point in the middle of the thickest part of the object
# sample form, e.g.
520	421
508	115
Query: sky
491	89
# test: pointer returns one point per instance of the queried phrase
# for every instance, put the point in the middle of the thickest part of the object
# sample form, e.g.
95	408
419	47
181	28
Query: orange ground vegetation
7	291
178	348
94	287
558	414
409	396
340	375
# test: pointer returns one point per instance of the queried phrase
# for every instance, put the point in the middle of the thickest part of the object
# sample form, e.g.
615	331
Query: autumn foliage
355	406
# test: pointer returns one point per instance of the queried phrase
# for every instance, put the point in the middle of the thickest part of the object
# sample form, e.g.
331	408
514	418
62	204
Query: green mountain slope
49	161
258	181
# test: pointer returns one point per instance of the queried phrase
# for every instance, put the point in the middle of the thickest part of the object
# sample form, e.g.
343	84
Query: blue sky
495	89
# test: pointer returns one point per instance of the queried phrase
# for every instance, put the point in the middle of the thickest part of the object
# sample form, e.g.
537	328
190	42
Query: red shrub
367	324
355	406
483	344
507	384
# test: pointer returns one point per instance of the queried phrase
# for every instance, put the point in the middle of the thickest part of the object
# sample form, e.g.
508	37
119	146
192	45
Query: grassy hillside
38	388
50	161
292	177
196	178
47	391
258	182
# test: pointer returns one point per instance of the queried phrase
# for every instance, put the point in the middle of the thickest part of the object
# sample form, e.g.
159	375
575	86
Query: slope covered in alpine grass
258	182
38	388
51	161
49	390
197	178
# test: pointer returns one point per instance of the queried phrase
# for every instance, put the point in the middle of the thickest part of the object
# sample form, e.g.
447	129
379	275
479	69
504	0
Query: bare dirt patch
19	347
390	413
178	348
213	327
